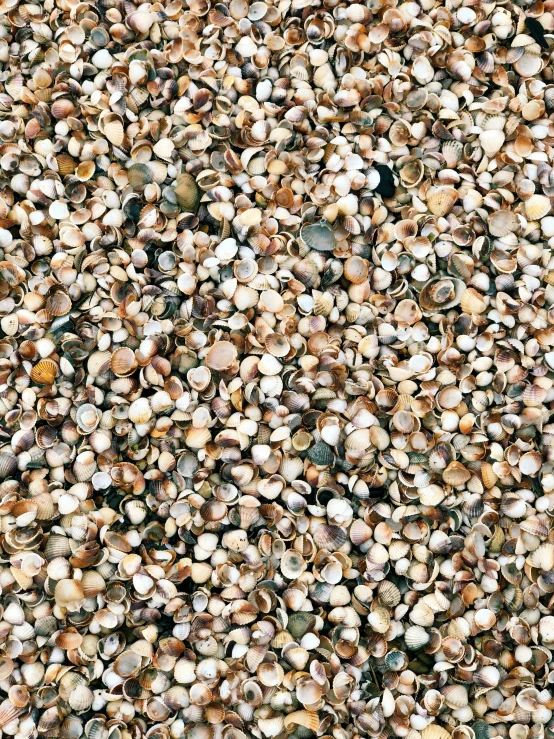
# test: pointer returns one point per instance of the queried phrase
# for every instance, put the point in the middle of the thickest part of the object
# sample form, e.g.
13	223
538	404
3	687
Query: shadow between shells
276	369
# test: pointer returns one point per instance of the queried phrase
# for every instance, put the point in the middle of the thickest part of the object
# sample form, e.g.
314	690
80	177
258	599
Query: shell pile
276	369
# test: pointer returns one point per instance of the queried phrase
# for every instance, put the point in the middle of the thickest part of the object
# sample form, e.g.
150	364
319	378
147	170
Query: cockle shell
187	192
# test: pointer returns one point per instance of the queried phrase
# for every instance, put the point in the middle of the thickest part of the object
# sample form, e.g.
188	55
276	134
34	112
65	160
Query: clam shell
356	269
319	236
442	200
221	355
537	207
492	141
140	411
321	454
187	193
123	362
416	637
44	372
68	592
502	222
440	294
307	719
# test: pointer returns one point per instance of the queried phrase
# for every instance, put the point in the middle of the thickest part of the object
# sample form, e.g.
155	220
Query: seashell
8	713
396	661
276	309
379	620
389	595
140	411
399	132
537	207
528	65
8	464
88	417
456	474
19	696
492	141
44	372
321	454
187	193
416	637
318	236
455	696
452	152
323	303
412	173
68	593
84	466
81	698
69	639
58	304
442	200
422	615
434	731
298	657
306	272
197	438
277	345
356	270
307	719
93	584
441	293
502	222
503	262
358	440
221	355
123	362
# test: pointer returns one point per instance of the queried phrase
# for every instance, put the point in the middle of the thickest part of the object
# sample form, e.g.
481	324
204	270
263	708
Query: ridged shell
442	200
319	236
537	207
187	193
44	372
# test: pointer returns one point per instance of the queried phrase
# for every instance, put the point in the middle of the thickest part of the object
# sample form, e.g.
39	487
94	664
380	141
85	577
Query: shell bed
276	369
